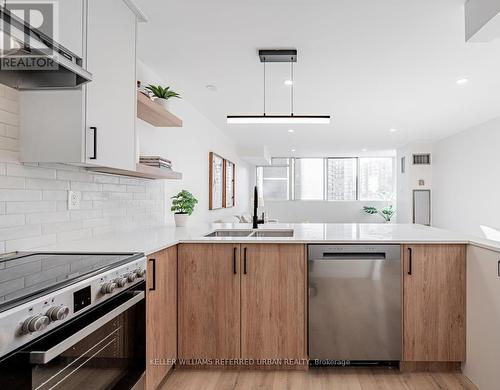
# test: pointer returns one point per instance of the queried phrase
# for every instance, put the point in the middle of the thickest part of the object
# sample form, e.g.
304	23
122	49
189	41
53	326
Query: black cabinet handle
153	274
94	157
498	268
234	260
245	261
410	260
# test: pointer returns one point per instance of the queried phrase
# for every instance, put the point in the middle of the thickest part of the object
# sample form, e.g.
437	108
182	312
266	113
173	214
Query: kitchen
273	195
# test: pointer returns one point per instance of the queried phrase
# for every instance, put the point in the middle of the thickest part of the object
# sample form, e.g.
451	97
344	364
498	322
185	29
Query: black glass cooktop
26	275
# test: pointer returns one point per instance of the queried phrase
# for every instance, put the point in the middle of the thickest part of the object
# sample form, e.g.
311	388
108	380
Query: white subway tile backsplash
84	214
74	176
19	195
30	207
12	220
29	243
30	171
59	227
12	182
47	184
48	217
79	186
114	187
108	179
74	235
33	197
14	232
55	195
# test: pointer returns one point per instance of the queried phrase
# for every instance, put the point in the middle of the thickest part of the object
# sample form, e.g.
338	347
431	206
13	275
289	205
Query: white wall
409	181
322	212
467	180
188	148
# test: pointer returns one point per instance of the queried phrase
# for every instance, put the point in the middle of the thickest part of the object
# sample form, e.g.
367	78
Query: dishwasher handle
352	256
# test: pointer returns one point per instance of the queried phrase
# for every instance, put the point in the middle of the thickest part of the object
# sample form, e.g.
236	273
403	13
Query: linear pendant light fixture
278	56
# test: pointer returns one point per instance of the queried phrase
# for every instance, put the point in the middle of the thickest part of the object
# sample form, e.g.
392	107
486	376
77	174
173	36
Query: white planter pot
165	103
181	220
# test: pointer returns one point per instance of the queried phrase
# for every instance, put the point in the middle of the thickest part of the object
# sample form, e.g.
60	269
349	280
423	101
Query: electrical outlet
74	198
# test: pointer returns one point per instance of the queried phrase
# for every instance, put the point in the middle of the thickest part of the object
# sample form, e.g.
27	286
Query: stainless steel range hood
32	60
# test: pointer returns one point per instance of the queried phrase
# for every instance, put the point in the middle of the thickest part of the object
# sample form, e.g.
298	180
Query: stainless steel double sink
251	233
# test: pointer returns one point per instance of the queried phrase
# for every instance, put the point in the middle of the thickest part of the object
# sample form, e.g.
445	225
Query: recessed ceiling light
462	81
393	130
364	150
288	82
291	131
211	87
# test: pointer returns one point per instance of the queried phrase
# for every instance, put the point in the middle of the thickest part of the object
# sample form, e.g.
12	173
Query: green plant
386	212
161	92
183	203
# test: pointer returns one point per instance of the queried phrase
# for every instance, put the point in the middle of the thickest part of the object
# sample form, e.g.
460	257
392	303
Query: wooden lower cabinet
434	303
273	301
161	315
209	301
241	301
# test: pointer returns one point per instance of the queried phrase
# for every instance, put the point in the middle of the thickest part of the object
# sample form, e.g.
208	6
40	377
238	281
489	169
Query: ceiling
372	65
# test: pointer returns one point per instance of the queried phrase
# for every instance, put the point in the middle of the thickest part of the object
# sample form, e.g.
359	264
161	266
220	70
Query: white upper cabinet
93	125
111	96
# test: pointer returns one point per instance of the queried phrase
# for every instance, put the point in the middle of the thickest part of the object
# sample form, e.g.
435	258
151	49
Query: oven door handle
43	357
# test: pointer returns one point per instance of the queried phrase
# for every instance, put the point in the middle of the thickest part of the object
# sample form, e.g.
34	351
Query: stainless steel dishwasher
354	303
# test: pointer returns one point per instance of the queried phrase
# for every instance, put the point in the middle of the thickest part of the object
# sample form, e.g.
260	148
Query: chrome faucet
255	220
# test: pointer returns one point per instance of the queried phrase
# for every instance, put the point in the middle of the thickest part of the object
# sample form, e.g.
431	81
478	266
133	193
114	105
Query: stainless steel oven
87	333
102	349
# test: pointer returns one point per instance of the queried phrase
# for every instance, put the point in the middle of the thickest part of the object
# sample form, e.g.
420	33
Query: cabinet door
161	315
483	318
434	302
111	99
209	301
273	301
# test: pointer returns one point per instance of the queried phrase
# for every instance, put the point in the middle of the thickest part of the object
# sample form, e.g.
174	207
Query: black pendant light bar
278	55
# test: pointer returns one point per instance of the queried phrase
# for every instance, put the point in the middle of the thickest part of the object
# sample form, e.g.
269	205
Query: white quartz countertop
153	239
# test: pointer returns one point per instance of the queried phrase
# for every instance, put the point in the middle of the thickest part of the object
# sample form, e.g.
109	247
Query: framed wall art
229	184
216	181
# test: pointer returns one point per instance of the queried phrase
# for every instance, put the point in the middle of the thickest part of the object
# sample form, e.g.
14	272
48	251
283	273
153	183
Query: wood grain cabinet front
242	301
434	303
161	315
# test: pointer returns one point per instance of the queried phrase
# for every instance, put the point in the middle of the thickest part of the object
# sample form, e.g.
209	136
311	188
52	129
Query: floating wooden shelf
153	113
142	171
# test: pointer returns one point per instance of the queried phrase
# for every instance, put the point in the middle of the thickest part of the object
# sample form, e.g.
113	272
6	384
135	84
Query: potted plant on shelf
162	95
183	205
386	212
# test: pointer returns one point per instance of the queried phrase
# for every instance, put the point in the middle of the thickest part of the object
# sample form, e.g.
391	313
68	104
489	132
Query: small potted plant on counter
183	205
162	95
387	212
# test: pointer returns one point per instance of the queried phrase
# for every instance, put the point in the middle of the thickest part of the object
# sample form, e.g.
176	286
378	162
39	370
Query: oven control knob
35	324
140	272
57	313
130	277
120	282
108	288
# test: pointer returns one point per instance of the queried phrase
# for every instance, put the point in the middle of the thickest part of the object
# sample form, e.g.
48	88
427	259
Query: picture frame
229	184
216	181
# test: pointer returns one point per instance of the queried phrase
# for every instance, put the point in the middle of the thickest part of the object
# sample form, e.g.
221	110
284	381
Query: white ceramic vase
165	103
181	220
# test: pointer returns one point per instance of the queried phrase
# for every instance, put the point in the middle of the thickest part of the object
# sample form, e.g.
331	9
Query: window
273	181
332	179
341	178
376	178
309	178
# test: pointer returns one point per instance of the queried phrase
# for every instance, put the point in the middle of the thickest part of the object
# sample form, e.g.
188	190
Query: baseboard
406	366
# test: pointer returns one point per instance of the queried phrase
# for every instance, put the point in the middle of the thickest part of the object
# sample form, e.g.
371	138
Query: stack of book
156	161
